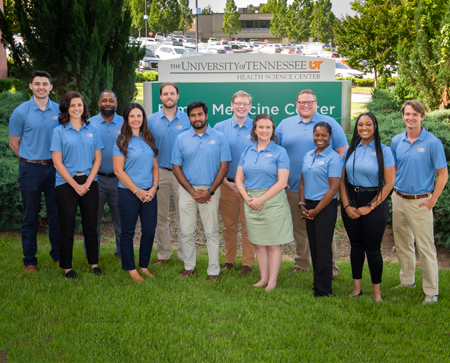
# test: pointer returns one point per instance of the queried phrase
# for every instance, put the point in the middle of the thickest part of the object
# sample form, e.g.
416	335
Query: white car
170	51
342	70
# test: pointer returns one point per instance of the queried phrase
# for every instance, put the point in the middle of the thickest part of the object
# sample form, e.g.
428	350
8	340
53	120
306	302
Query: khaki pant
209	214
413	223
232	208
302	255
167	184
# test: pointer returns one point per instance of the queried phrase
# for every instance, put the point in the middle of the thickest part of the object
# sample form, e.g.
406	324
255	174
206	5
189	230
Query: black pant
365	234
67	200
320	235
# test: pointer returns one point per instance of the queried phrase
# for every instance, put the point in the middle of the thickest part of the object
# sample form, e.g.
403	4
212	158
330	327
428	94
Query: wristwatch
210	192
156	186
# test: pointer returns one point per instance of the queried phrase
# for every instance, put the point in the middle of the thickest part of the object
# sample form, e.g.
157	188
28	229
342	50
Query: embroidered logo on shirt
89	135
117	131
373	153
247	136
179	127
211	142
267	155
421	150
54	117
320	162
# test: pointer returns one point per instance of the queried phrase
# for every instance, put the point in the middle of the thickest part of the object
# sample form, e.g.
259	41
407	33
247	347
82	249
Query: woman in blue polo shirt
136	167
321	173
261	178
367	179
77	155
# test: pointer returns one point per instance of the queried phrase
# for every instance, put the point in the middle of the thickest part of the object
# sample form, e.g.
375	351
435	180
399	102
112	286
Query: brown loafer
146	272
161	262
213	277
30	268
245	270
136	277
295	270
227	266
186	273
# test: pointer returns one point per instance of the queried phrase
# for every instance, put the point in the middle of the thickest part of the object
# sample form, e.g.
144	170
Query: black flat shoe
360	293
97	271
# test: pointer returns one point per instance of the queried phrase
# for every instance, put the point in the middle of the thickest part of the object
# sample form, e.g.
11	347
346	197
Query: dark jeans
107	193
68	200
320	235
365	234
130	207
33	180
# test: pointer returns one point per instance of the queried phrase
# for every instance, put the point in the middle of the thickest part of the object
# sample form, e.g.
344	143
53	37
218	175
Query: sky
340	7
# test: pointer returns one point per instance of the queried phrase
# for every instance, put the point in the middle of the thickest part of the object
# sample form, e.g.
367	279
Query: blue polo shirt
417	162
365	172
316	171
138	163
77	148
35	127
166	132
200	156
238	138
296	137
260	168
108	133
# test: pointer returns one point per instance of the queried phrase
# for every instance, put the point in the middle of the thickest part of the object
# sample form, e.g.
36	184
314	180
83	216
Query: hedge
148	76
367	82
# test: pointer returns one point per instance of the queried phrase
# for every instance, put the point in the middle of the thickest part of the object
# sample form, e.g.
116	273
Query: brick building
3	64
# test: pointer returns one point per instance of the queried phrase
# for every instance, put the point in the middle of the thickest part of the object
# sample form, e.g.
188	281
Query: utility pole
318	25
196	25
145	9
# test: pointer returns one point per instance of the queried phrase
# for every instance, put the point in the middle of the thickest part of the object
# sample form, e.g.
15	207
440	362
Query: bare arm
349	209
327	198
14	144
341	150
124	178
94	169
178	172
62	170
204	194
283	175
438	188
240	183
230	185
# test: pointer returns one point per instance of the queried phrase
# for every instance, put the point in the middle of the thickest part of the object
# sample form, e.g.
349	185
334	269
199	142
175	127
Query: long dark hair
126	133
263	116
64	106
352	149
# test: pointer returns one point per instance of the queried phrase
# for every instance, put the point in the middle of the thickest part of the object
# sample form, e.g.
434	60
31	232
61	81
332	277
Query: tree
270	7
164	16
299	18
207	11
83	44
251	9
279	23
372	35
323	30
187	18
137	13
231	23
8	8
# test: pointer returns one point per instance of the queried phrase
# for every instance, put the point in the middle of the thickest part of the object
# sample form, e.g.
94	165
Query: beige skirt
273	225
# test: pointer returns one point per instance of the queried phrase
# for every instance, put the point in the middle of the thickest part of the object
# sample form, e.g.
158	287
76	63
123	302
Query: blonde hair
241	94
307	92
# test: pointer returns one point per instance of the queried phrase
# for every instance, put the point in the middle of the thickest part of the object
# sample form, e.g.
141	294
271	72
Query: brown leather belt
43	162
231	180
411	196
162	167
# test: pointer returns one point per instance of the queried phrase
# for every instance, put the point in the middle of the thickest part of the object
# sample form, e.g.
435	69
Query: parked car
289	50
210	40
237	48
172	41
239	39
189	43
170	52
149	62
269	48
342	70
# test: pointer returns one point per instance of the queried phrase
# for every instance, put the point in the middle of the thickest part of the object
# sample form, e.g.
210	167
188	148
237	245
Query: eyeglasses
303	103
239	104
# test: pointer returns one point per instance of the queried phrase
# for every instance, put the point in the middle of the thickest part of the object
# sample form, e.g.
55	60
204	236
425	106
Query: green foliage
372	35
231	24
299	19
279	24
83	44
207	11
269	7
387	111
137	8
323	30
186	18
367	82
164	16
147	76
251	9
8	83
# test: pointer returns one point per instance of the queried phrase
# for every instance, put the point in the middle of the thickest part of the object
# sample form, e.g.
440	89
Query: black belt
43	162
110	175
231	180
162	167
363	189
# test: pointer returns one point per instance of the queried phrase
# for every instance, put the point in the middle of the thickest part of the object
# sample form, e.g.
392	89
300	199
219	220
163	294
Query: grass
362	89
45	318
358	108
140	96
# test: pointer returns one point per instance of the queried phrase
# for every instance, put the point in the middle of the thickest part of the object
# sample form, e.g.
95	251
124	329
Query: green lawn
45	318
362	89
140	96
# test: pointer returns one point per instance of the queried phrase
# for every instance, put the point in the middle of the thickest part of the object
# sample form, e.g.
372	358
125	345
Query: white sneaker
412	286
430	299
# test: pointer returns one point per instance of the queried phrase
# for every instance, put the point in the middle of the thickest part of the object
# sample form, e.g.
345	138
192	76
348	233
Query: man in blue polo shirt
418	156
30	134
237	130
295	134
166	125
108	124
200	161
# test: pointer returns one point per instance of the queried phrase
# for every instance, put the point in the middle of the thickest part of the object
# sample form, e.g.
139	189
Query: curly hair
64	106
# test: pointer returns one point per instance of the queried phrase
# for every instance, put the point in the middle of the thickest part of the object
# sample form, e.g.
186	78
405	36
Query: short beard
108	113
170	107
199	127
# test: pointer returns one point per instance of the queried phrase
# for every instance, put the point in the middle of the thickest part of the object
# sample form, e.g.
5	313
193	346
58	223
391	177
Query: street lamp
318	23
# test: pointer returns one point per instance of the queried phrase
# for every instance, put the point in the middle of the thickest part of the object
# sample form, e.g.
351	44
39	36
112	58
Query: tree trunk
375	83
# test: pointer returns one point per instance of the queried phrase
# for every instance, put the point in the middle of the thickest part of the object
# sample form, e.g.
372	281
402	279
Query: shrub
7	84
369	82
147	76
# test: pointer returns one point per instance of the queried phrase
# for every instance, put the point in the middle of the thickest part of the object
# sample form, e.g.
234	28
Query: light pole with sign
145	16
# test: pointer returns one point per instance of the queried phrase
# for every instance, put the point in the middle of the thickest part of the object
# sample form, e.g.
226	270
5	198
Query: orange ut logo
315	64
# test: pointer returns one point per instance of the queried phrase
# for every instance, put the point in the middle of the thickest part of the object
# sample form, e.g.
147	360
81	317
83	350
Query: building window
255	24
